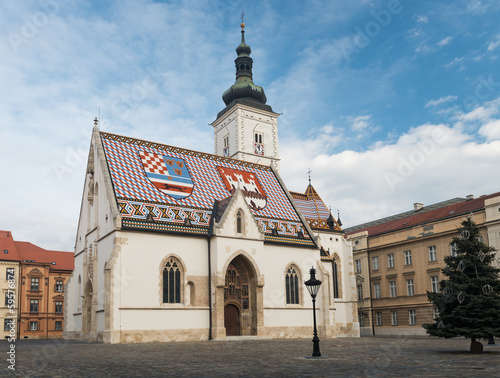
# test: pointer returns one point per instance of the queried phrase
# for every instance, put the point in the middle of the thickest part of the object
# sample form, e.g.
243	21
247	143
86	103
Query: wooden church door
232	320
236	298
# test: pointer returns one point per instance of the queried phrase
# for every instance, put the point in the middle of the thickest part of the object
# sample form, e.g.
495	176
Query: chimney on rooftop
417	206
469	197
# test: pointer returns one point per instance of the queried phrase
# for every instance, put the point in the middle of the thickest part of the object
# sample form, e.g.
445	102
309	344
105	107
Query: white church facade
174	244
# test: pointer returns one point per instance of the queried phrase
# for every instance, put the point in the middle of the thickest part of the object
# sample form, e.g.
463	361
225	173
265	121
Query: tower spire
244	91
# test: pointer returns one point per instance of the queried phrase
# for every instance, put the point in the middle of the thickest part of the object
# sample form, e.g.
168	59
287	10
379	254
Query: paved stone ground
363	357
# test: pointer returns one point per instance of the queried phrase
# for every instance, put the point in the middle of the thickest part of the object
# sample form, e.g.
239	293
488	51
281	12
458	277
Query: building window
33	326
258	144
390	260
407	257
239	222
392	286
59	287
359	289
453	249
35	284
378	318
394	318
409	286
6	299
172	282
376	289
226	146
7	324
358	266
34	305
59	307
361	320
435	284
435	313
335	279
58	325
375	262
432	253
412	317
292	280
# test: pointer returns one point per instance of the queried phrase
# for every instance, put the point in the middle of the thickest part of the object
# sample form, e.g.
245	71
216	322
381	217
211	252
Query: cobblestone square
346	357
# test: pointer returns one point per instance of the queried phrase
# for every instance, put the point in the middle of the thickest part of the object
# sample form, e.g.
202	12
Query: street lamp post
312	286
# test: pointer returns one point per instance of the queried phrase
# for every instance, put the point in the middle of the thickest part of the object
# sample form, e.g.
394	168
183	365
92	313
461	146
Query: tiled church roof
172	184
314	209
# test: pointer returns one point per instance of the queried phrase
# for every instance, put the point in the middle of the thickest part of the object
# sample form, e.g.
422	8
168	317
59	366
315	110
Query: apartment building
398	259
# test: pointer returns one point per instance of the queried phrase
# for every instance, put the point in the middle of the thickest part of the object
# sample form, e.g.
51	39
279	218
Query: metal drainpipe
209	290
370	283
48	296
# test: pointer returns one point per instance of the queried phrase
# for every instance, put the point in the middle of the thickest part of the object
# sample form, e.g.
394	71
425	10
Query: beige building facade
399	258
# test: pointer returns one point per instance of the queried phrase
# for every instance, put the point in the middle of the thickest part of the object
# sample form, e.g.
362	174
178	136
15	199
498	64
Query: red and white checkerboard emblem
248	183
168	174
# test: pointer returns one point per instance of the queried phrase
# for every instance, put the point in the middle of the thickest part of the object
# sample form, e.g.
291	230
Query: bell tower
246	129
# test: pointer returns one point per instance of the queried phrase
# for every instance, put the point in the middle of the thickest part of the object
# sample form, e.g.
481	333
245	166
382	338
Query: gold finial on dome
242	26
242	23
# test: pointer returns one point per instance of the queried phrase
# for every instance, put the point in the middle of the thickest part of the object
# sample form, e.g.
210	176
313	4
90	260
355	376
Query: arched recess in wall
172	277
79	293
240	222
336	276
96	203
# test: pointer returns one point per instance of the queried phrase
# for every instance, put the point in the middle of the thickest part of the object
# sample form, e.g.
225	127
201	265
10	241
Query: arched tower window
292	279
172	273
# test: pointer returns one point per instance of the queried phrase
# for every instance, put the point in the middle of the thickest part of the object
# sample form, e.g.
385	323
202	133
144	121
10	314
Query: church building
174	244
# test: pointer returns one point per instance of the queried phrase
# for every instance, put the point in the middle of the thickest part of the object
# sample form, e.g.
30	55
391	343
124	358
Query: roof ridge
405	214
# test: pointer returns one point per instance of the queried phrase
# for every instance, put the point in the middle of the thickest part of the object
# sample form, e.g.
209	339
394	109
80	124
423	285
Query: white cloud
495	43
445	41
491	130
439	101
422	19
457	62
359	123
391	177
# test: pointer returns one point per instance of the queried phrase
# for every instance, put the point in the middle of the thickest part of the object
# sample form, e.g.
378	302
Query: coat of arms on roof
249	184
168	174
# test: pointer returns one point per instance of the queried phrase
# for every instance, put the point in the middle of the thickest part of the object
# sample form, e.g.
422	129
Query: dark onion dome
244	91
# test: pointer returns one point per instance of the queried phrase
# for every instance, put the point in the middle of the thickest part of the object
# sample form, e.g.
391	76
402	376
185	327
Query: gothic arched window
335	277
172	281
239	222
292	279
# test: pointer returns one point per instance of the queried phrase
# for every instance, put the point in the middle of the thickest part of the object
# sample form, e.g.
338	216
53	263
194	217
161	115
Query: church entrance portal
239	295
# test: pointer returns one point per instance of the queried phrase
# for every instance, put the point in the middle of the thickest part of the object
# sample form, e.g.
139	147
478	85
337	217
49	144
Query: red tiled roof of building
7	244
31	252
455	209
24	251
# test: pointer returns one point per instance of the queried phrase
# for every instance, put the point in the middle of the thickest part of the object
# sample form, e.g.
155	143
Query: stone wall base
347	329
166	335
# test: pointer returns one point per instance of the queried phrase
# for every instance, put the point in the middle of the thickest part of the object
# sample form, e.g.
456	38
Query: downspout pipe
209	238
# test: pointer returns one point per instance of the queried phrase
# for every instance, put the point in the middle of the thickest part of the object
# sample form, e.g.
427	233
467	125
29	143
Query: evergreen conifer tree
469	297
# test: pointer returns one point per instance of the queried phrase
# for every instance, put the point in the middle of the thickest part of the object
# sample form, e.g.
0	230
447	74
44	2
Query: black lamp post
312	287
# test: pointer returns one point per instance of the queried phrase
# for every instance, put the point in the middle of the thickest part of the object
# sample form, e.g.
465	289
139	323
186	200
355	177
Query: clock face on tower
258	148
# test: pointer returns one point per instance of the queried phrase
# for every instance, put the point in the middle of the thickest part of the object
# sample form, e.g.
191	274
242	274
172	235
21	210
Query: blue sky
387	102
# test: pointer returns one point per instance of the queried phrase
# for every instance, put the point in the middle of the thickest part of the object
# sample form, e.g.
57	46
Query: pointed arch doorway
240	298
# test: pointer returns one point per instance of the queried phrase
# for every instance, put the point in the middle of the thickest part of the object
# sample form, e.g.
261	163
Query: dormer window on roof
53	263
5	251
